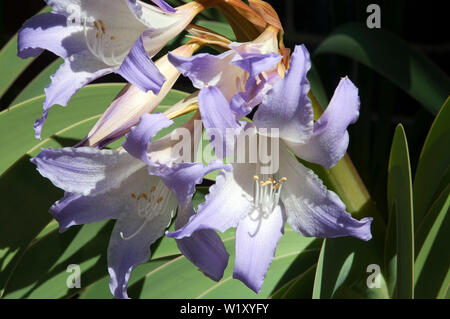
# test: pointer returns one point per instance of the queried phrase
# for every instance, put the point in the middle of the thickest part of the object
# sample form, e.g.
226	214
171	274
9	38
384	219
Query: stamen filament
267	194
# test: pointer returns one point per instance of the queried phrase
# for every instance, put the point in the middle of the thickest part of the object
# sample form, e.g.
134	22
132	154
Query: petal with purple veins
164	6
85	170
139	69
76	209
313	210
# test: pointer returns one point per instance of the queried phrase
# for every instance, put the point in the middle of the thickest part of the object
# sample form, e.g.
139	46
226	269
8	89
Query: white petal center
149	205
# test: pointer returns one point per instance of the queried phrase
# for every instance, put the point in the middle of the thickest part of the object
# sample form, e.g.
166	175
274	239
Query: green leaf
300	287
317	88
11	65
293	252
219	27
16	124
37	85
400	204
394	59
431	268
343	264
433	169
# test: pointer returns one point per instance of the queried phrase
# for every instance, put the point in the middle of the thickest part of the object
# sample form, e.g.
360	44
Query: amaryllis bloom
258	202
97	37
222	77
141	187
131	103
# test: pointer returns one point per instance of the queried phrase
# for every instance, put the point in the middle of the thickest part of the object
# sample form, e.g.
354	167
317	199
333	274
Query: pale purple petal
312	209
203	69
287	106
164	6
140	136
206	251
75	209
215	110
257	237
256	63
220	122
85	170
228	200
182	178
76	72
50	31
243	103
204	248
329	141
139	69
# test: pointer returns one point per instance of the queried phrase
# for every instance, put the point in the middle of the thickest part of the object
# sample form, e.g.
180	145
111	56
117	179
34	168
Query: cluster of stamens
267	194
98	48
149	202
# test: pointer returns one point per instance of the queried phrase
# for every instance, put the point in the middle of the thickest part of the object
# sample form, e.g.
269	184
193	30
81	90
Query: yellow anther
103	26
255	178
96	35
153	189
160	200
142	195
133	195
97	25
269	182
283	179
276	186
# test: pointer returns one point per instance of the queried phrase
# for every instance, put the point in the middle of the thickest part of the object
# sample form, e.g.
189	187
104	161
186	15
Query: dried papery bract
245	22
266	11
207	36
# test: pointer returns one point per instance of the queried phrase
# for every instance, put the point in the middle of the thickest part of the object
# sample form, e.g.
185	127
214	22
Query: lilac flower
141	192
258	202
99	37
230	83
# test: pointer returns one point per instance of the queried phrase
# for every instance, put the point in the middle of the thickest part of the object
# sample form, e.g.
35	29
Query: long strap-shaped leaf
400	204
11	65
394	59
